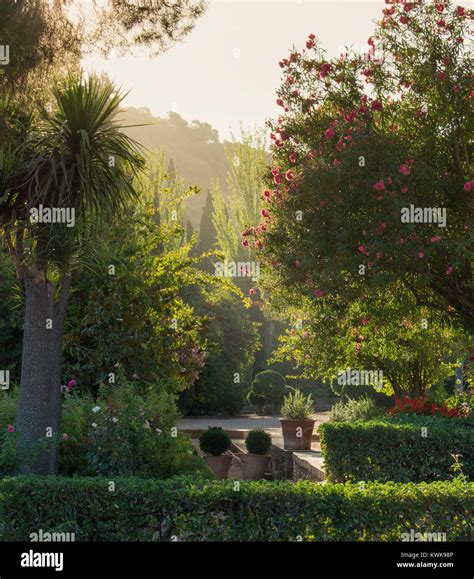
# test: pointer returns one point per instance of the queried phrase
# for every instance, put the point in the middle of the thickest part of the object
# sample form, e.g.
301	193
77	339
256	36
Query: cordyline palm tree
74	157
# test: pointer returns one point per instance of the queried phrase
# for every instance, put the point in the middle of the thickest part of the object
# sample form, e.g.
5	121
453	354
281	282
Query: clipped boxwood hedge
185	510
394	449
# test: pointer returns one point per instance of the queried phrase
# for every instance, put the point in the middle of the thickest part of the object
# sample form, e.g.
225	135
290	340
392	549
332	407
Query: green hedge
145	510
393	449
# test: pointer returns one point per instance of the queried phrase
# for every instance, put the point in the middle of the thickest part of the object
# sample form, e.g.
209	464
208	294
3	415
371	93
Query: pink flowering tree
372	179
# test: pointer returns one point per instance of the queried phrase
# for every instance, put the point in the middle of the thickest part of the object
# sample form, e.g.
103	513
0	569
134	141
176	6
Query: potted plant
214	442
296	427
255	463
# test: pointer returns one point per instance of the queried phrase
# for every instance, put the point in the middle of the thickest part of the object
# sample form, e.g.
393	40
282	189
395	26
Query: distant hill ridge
197	153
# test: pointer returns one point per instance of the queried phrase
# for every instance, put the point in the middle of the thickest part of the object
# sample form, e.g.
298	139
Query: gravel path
246	422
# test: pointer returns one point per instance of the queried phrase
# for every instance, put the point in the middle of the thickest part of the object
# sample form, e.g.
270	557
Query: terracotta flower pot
220	465
297	434
254	466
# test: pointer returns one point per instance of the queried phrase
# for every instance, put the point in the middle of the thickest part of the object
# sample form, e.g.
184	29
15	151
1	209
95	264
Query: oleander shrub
397	449
197	510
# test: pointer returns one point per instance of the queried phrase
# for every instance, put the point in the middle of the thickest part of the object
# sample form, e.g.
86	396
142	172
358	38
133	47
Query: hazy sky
226	71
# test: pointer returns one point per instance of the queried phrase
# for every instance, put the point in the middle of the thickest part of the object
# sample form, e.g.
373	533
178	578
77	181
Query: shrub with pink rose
124	431
132	434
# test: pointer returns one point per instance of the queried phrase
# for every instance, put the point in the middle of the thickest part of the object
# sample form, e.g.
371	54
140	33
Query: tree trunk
39	408
32	411
56	357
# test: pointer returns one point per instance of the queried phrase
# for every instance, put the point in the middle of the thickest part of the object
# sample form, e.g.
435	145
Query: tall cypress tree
207	234
189	231
171	172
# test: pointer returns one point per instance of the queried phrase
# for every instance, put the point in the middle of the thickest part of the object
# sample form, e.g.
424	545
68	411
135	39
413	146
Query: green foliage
75	424
8	453
155	25
268	387
240	205
457	469
75	420
396	449
363	408
237	205
12	448
14	451
352	392
164	194
11	314
258	441
135	320
43	43
135	435
463	402
158	318
207	235
297	406
231	344
81	138
197	153
193	510
316	388
73	157
386	332
121	433
8	406
214	441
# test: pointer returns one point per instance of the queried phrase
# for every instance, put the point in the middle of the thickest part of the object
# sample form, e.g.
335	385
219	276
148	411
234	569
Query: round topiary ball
214	441
258	441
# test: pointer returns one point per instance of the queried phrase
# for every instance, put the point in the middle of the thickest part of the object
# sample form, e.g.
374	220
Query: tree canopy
364	143
47	39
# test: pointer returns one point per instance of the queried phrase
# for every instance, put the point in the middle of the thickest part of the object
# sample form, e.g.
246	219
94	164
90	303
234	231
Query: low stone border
302	465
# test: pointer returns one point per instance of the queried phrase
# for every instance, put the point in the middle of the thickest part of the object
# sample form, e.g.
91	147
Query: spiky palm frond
74	157
88	163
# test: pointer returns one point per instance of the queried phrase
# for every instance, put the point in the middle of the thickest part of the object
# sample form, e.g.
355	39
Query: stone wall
304	465
282	463
307	466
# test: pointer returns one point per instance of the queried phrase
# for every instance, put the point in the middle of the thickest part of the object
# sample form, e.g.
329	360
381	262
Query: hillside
197	153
